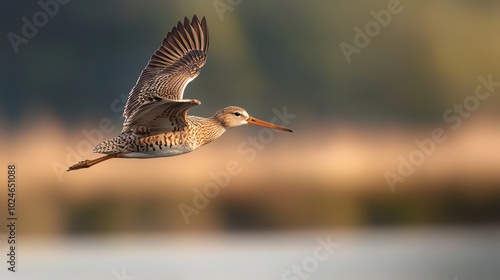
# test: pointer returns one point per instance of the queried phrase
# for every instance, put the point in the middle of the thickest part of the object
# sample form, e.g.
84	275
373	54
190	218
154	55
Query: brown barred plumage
156	121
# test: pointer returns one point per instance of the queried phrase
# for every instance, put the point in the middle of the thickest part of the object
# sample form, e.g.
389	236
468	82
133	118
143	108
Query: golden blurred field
322	176
355	120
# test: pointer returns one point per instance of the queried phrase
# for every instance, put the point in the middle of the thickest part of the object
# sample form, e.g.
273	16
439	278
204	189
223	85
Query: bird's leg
88	163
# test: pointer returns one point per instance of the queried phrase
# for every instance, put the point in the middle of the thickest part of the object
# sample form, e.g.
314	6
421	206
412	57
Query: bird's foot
80	165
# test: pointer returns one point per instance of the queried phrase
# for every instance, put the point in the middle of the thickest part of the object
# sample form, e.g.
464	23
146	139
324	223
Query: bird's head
234	116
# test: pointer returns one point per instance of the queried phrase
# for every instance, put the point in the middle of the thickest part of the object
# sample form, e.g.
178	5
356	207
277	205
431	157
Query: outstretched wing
177	62
161	116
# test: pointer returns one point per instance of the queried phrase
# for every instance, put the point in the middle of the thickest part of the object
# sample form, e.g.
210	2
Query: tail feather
106	147
115	144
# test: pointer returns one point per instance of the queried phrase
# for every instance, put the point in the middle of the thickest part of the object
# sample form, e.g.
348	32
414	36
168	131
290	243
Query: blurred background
359	103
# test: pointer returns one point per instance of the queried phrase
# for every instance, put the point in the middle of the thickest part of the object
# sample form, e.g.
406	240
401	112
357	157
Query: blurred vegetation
302	209
262	55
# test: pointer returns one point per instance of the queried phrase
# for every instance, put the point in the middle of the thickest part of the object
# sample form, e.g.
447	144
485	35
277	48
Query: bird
156	123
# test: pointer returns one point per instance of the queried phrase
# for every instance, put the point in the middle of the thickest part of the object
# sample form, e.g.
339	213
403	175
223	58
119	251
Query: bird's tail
115	144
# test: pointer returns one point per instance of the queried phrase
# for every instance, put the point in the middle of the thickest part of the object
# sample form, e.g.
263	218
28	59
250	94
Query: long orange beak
254	121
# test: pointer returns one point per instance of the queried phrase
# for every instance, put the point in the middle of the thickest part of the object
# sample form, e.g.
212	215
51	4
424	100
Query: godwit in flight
156	121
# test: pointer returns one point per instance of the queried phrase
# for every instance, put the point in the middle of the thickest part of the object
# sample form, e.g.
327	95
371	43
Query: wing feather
161	116
176	62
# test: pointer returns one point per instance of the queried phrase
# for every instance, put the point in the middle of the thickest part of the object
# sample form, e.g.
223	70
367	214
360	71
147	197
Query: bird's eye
237	114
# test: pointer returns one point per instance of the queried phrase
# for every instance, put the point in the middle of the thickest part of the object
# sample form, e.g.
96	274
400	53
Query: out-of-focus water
406	254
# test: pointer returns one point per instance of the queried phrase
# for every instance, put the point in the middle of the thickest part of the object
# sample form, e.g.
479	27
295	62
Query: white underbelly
165	152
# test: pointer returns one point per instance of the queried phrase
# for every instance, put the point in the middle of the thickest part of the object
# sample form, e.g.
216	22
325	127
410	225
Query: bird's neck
208	129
